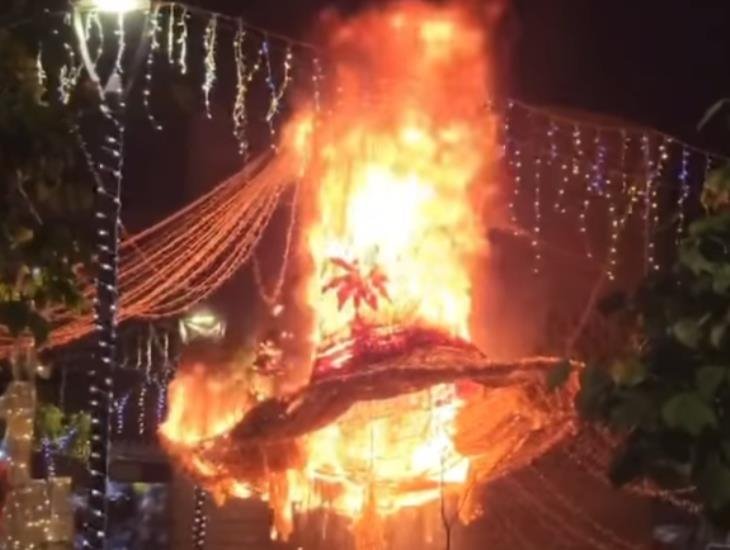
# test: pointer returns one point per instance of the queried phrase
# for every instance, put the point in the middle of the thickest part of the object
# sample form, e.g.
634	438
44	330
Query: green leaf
688	332
708	379
631	410
687	412
714	483
628	371
559	374
22	235
717	334
49	421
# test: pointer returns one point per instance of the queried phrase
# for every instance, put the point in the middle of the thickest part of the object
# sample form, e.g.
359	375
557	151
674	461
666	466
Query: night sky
657	62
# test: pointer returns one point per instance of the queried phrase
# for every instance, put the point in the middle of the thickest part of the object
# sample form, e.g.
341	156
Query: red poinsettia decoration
357	286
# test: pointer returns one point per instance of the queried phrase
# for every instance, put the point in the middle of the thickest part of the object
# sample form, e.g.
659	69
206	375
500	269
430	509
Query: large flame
395	187
396	165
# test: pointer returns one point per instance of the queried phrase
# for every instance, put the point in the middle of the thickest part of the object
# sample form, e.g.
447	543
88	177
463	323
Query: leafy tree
44	200
668	392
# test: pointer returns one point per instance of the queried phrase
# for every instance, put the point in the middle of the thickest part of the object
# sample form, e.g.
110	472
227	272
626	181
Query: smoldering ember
364	275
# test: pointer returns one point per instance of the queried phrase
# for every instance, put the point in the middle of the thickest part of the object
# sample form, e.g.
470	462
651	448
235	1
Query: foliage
68	433
669	391
44	203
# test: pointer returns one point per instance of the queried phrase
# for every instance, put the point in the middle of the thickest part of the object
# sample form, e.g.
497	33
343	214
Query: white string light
578	155
40	71
514	161
121	44
209	45
537	222
649	244
182	42
171	35
200	518
244	77
149	65
276	92
683	193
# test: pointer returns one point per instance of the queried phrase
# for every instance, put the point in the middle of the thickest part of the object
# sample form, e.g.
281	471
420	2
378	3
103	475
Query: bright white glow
114	6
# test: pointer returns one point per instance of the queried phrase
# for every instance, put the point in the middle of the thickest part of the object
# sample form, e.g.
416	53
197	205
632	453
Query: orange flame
393	178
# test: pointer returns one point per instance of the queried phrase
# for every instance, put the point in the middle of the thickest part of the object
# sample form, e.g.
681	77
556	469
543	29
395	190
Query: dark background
656	62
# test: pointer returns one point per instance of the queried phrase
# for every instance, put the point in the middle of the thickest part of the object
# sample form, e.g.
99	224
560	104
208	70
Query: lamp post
107	167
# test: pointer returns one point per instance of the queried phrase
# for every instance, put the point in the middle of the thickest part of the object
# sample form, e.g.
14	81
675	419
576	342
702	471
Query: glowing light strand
578	155
182	42
200	518
94	29
512	152
149	65
121	44
649	193
244	77
537	221
105	317
272	298
684	192
276	92
171	35
40	71
210	39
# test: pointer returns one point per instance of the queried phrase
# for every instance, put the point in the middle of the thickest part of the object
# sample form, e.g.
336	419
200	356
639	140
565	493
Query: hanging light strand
182	41
512	153
149	65
537	217
171	26
684	191
209	46
578	156
121	44
200	518
276	92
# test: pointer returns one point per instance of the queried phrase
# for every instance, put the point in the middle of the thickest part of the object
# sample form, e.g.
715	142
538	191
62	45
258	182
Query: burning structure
395	165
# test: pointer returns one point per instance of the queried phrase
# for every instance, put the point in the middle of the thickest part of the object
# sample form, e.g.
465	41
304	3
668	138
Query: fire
396	183
395	180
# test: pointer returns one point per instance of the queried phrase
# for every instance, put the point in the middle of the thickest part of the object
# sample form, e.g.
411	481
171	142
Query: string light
317	77
182	42
276	93
121	44
272	298
119	407
92	24
614	233
149	64
108	177
244	77
200	518
512	152
597	181
578	155
209	45
68	75
649	205
537	226
171	35
684	192
40	71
